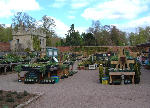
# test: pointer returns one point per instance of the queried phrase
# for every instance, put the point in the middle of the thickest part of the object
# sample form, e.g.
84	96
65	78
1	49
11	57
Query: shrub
8	95
1	91
19	96
5	106
10	99
25	93
14	92
14	106
1	98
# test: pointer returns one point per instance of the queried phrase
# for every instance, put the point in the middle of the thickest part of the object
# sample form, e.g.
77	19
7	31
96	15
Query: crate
105	80
55	78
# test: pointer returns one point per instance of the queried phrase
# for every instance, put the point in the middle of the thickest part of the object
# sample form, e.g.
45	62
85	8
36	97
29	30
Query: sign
92	67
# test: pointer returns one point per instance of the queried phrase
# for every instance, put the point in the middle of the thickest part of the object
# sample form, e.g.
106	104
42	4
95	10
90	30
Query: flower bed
9	99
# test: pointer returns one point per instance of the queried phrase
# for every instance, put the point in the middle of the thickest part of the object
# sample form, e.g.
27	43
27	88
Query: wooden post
110	79
133	79
49	74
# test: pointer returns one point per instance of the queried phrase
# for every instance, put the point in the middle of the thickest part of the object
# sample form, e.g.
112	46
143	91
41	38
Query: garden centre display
122	69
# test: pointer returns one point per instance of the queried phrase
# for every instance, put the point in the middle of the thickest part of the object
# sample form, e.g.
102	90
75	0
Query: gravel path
83	91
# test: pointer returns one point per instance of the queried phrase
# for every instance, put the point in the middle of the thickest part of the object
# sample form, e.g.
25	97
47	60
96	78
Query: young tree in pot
137	74
43	70
101	72
18	69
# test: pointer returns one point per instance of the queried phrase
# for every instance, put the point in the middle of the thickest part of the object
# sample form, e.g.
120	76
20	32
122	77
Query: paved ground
83	91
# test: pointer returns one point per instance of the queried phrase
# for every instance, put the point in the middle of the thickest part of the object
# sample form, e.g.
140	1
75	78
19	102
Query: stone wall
22	39
24	42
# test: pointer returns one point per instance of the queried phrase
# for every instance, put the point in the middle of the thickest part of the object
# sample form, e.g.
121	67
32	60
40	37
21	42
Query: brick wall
4	46
64	49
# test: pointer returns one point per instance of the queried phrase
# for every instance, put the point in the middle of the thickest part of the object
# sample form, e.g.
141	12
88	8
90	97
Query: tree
141	36
118	37
132	38
95	29
48	25
104	36
5	33
73	37
88	39
24	19
62	43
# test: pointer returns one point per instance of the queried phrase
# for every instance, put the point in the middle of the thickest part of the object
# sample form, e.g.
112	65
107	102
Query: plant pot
79	68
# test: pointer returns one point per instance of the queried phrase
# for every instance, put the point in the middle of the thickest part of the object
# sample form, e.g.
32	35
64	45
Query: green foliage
11	58
141	36
5	106
137	70
43	69
32	55
14	92
10	99
118	37
5	33
1	98
88	39
101	73
1	91
107	71
36	43
114	58
18	68
8	95
81	64
48	41
27	50
25	93
19	96
73	37
107	35
62	67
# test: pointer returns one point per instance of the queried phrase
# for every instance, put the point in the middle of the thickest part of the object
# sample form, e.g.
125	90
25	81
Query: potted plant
18	69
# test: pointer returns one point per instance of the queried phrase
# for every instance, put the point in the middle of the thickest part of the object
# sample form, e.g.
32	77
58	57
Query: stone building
23	39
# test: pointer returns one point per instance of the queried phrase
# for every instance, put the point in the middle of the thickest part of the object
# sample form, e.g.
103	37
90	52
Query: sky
127	15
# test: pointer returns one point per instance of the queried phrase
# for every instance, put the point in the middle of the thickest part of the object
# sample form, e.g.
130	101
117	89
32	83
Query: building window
40	42
17	41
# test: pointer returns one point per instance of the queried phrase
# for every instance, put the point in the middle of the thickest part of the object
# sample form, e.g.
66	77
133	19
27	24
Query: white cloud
8	7
59	3
81	29
115	9
79	5
75	4
61	28
132	25
71	17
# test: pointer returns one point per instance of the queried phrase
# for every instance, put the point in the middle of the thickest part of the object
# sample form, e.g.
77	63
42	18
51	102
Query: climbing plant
36	43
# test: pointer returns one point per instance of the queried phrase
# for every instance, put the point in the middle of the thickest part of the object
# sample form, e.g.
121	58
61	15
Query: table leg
110	79
133	79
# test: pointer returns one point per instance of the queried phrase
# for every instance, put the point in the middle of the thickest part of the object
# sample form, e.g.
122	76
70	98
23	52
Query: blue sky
125	14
